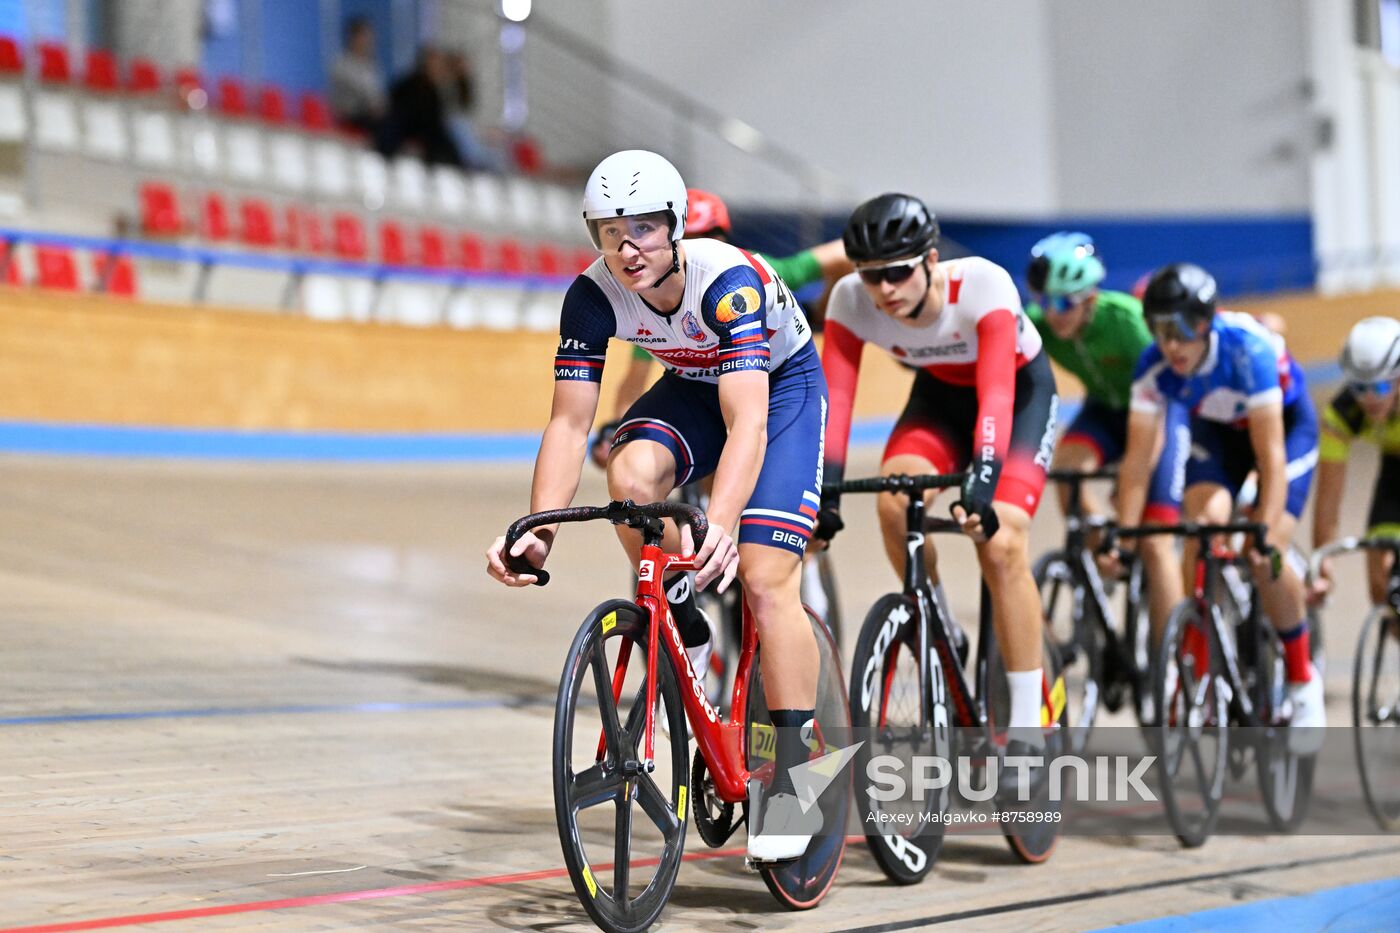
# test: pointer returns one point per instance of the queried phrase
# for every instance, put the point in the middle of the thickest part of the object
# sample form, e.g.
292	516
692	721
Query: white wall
1194	106
1016	108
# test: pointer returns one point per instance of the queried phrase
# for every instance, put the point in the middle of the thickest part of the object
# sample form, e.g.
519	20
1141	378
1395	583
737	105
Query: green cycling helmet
1072	271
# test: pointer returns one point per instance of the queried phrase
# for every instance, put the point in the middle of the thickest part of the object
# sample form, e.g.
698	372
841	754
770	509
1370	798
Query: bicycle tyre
1191	823
1078	643
1377	649
891	633
618	620
802	883
1285	776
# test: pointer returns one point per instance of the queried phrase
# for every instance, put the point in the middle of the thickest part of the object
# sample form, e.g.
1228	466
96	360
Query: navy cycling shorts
1222	453
1105	429
683	415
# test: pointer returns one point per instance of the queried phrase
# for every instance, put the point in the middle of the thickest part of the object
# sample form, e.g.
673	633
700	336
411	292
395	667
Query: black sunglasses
892	274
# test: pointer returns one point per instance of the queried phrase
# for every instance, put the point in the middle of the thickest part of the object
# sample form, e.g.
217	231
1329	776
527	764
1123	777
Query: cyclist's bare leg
1074	455
772	581
1202	503
1378	575
1283	599
1016	609
643	471
1158	555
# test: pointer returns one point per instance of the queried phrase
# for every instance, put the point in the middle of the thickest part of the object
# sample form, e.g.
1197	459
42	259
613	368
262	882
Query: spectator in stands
417	120
459	95
357	87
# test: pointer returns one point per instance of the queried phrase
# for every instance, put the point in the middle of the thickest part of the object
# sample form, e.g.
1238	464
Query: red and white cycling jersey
979	339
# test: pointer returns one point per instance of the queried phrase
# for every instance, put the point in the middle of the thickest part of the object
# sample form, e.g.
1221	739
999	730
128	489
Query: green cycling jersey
1106	351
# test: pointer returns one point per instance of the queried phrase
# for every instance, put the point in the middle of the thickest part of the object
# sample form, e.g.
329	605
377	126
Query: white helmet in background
1372	351
634	182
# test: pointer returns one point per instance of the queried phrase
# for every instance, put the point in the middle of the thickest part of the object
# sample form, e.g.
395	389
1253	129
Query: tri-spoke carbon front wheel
621	826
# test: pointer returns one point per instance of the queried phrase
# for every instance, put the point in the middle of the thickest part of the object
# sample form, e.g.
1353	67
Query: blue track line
1355	908
218	711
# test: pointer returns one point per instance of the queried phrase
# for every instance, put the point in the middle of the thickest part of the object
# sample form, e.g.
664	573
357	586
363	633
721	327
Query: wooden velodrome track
287	697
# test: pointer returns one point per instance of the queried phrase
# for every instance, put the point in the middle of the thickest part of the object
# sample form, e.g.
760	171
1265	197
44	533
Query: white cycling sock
1025	699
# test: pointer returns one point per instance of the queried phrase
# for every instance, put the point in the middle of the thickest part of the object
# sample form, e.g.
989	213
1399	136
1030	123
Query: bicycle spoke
607	706
636	718
657	807
622	849
591	787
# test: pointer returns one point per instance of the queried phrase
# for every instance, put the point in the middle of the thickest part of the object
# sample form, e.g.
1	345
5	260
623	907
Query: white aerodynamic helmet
633	182
1372	350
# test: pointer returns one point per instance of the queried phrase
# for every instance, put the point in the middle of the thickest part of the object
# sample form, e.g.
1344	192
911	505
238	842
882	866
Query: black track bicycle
909	693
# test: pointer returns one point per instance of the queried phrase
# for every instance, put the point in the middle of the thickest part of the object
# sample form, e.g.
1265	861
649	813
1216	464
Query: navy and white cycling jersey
736	314
1246	366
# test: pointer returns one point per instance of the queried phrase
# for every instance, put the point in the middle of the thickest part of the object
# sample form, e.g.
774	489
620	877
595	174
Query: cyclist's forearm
1136	466
1266	436
1331	480
738	468
557	468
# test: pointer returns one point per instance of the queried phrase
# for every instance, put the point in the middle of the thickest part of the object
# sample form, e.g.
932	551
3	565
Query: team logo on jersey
737	303
691	327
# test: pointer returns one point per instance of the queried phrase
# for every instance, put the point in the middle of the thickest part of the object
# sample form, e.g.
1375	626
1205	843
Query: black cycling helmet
891	226
1183	288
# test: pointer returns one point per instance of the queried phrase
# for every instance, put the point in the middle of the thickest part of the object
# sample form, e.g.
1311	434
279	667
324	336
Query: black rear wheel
622	828
1190	737
899	705
1375	711
802	883
1078	643
1285	776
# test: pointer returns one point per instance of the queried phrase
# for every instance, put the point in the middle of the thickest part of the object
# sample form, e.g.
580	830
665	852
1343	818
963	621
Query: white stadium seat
152	138
488	196
410	184
199	142
331	168
449	192
56	121
104	130
372	178
289	170
14	124
323	297
523	204
243	146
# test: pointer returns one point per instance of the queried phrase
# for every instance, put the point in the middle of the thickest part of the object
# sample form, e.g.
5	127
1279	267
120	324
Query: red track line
102	923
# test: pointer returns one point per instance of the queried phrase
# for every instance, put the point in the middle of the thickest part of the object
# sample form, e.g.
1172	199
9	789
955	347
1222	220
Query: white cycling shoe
784	831
1306	728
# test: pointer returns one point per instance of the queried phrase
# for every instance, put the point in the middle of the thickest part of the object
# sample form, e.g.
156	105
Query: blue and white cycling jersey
1246	366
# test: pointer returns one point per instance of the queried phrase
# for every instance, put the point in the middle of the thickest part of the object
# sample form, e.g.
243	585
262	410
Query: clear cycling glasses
644	232
1178	327
1059	304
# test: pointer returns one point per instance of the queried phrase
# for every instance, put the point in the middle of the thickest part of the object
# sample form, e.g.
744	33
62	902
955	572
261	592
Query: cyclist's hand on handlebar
977	526
601	445
829	522
718	558
529	547
1320	586
1110	563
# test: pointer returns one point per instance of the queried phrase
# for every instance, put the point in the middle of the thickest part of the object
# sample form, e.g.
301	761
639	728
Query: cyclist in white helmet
1367	407
743	398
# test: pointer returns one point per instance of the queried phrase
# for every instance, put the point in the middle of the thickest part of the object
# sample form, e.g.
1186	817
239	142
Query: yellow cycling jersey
1344	421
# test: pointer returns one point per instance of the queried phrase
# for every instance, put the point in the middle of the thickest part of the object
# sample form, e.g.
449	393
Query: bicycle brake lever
521	565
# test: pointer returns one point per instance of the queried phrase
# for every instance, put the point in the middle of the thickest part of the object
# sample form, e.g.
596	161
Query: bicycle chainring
714	819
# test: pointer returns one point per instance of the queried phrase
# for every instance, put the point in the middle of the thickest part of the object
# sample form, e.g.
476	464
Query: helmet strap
675	265
928	287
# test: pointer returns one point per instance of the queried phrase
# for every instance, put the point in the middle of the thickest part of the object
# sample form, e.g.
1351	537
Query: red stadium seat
160	210
9	269
511	257
100	73
233	99
315	113
304	230
11	58
348	233
119	274
472	252
432	248
57	268
549	260
53	63
142	76
272	105
255	223
215	225
526	154
393	245
190	88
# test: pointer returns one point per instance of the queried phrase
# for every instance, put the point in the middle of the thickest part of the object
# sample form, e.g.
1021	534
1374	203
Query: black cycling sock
790	750
680	593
